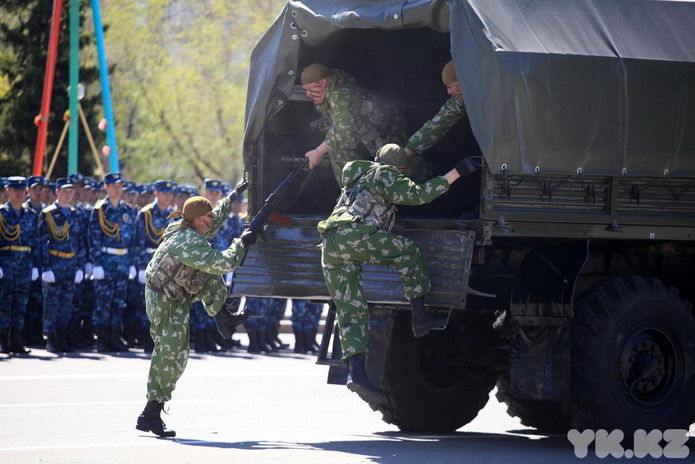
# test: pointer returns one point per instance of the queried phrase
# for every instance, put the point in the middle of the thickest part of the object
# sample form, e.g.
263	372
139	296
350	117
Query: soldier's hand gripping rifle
259	222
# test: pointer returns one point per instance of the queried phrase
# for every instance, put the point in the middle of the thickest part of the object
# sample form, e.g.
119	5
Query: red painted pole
42	119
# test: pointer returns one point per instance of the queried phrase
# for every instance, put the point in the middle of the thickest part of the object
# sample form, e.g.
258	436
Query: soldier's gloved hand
141	277
88	270
248	238
35	273
2	273
132	272
241	186
466	166
48	277
97	273
79	276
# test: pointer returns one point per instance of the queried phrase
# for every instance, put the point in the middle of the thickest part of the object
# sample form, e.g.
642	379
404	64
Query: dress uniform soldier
358	231
111	230
18	263
32	331
81	328
204	331
151	222
357	122
61	249
185	267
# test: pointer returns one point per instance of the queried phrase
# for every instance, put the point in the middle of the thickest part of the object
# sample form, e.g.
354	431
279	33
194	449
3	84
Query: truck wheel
632	348
426	381
546	416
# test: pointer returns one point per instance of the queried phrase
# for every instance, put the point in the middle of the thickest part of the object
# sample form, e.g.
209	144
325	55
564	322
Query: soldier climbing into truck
582	232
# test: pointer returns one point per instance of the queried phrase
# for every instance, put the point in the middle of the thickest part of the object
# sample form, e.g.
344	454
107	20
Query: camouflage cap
449	73
315	72
391	154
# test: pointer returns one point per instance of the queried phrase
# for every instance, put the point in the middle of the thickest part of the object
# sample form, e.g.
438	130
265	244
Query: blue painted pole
74	77
105	88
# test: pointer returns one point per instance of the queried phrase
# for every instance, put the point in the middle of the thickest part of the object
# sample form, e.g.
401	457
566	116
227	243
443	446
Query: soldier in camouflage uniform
150	224
111	231
19	260
32	331
451	113
358	231
61	249
357	122
185	267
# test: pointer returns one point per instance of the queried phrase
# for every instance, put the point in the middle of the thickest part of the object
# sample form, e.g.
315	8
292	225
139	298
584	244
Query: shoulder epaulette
49	208
147	207
99	204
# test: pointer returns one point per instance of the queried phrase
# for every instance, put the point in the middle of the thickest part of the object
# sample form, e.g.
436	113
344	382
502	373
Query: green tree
179	83
24	35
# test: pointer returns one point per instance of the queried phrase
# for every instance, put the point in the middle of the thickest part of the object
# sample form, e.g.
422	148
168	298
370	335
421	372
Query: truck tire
632	348
426	381
546	416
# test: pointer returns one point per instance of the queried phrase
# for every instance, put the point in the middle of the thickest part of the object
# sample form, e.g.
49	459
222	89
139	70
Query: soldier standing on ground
358	231
357	122
32	334
185	267
111	230
151	222
18	263
61	249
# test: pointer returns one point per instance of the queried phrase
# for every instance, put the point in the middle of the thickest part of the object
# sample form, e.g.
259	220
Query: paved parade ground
233	408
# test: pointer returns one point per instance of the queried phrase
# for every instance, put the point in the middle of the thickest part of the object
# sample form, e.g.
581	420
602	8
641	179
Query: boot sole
144	428
373	399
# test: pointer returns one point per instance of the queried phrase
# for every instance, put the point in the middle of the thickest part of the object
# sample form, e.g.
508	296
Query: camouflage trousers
305	315
171	332
57	299
15	287
345	249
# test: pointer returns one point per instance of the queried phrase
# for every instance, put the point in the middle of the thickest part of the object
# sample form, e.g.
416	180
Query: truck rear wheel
427	383
546	416
632	357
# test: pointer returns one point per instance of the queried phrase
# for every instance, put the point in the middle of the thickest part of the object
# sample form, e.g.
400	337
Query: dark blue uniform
61	249
111	231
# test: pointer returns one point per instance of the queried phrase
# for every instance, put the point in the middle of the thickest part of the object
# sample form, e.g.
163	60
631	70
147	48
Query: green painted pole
74	81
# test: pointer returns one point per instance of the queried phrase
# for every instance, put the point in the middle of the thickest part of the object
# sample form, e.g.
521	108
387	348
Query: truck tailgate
289	265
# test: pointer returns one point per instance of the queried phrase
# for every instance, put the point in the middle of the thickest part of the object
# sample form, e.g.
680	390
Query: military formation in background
73	255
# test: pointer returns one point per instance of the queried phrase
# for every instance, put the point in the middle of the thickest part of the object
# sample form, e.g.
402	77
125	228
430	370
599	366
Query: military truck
567	262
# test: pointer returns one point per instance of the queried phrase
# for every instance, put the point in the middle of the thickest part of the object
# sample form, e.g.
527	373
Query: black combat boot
310	341
63	344
102	340
201	345
151	421
116	342
15	345
52	345
299	346
74	338
359	383
254	346
5	341
424	320
210	340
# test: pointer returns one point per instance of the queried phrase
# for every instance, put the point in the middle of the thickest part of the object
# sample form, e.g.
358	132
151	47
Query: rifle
260	221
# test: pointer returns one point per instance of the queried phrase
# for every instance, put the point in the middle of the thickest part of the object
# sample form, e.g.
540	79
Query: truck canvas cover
606	87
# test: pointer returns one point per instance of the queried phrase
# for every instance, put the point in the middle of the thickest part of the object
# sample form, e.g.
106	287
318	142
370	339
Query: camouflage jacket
388	182
150	224
358	120
434	129
194	250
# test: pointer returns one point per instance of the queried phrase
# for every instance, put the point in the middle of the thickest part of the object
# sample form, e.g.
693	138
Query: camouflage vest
369	207
176	280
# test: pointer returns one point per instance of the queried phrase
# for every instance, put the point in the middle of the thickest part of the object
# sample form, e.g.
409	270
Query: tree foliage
179	83
24	35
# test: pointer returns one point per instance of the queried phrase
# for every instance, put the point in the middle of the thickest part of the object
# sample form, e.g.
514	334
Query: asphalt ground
234	408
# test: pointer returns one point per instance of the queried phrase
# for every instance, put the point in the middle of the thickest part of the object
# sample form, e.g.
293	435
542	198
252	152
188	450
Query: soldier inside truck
382	62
